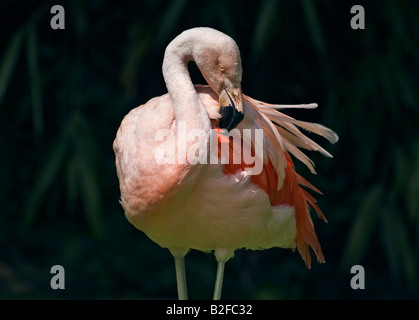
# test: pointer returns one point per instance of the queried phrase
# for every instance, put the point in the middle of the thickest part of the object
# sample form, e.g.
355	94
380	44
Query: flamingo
216	207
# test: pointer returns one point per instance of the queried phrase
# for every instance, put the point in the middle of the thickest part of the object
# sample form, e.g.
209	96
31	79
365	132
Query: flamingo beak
231	108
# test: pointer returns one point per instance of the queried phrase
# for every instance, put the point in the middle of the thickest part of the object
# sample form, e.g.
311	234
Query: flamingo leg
219	280
179	255
182	289
222	256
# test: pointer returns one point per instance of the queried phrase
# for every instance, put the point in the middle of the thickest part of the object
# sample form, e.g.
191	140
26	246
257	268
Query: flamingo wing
278	177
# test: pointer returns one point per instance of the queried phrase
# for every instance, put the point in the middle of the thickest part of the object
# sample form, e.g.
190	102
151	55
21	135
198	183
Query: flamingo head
218	59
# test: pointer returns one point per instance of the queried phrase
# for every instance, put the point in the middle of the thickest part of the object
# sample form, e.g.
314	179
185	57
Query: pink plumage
216	207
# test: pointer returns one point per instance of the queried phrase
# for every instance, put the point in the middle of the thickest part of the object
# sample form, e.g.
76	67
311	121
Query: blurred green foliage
63	94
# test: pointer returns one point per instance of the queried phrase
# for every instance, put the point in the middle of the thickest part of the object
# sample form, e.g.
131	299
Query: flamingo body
216	207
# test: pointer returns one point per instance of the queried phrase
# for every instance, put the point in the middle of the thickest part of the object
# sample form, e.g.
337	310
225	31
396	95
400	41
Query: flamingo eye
222	69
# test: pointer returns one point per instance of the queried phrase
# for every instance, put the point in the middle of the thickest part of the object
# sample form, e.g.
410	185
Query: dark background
63	94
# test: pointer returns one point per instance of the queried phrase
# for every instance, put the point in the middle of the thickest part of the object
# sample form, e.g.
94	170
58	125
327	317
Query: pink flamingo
215	207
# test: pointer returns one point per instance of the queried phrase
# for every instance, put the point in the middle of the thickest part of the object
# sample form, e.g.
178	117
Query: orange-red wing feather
291	194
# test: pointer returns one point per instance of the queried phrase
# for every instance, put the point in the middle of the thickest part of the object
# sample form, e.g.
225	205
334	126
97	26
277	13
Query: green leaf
400	169
9	60
362	228
45	178
388	87
403	80
91	198
224	16
170	19
34	80
71	185
396	246
267	14
412	184
87	159
314	27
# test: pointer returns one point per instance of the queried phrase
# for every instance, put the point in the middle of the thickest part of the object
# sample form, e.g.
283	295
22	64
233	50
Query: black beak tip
230	117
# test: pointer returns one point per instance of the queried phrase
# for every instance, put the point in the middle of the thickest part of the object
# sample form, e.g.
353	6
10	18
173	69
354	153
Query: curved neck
187	105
